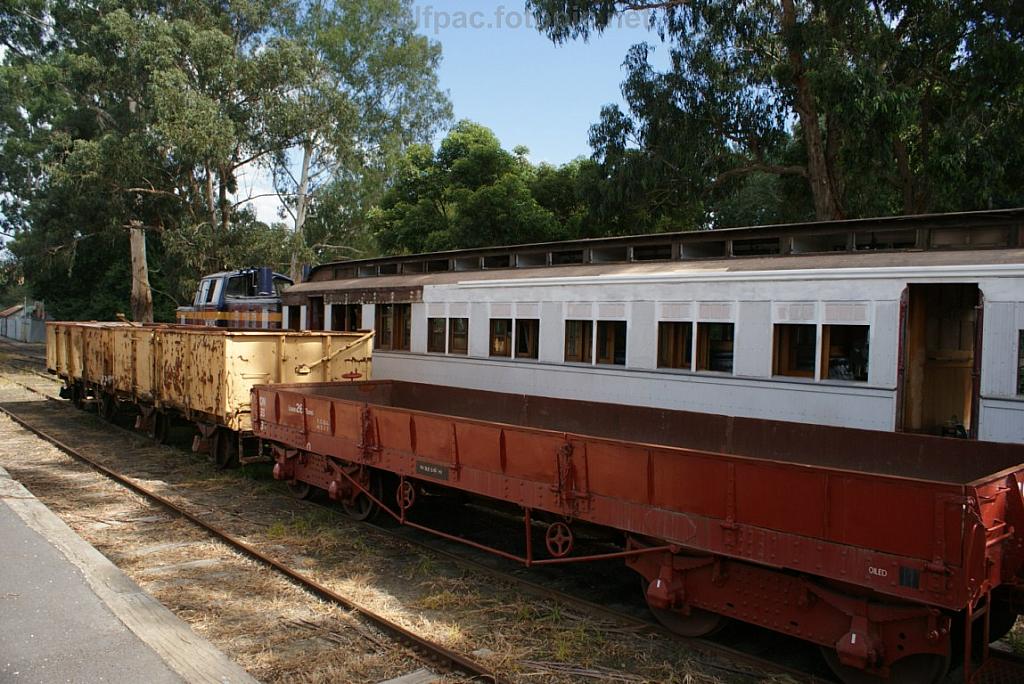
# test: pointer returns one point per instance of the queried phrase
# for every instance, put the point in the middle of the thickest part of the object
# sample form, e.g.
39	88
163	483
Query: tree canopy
140	117
827	109
471	192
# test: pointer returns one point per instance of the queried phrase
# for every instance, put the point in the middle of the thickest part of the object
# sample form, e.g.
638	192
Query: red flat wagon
894	552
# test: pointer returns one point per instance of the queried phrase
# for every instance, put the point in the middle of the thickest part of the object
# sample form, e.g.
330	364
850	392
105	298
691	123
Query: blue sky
505	74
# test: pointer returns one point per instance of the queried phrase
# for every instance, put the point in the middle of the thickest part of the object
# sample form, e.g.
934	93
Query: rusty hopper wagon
897	554
201	374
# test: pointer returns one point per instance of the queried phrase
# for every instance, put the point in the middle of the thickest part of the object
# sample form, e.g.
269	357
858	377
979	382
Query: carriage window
346	317
844	352
578	341
394	323
611	342
674	344
1020	363
795	346
715	346
435	335
458	335
501	337
527	334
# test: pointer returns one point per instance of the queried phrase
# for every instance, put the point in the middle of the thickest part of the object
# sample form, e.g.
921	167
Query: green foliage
120	113
774	111
471	192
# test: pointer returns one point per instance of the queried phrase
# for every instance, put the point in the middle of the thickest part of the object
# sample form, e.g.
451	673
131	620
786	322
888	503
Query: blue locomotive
247	298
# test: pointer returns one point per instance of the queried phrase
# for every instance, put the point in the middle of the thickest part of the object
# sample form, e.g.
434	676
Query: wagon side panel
52	353
204	375
143	360
123	361
248	360
98	354
172	368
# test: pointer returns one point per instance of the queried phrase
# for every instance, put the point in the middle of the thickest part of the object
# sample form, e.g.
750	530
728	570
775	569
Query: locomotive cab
247	298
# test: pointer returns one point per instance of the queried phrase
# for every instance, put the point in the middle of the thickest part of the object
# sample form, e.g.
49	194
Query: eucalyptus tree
869	107
368	89
136	118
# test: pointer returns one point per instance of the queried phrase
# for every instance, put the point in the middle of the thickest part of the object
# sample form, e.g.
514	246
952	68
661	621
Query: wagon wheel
406	495
559	539
108	407
159	427
300	489
77	396
224	448
363	507
697	623
1002	618
919	668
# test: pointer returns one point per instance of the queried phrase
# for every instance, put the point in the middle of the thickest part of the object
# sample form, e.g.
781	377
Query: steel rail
708	648
436	654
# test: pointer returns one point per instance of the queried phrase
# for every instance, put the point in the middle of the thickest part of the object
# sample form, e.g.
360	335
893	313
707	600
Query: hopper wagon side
200	375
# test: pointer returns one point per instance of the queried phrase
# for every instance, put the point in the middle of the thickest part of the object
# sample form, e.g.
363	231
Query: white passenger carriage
903	323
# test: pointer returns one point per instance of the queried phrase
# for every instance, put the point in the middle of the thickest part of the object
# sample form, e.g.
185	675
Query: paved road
53	628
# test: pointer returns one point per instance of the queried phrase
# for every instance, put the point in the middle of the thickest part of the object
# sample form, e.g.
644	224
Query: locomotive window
844	352
1020	363
214	294
501	337
394	323
795	347
527	334
715	346
238	286
674	344
458	335
204	287
436	335
578	341
611	342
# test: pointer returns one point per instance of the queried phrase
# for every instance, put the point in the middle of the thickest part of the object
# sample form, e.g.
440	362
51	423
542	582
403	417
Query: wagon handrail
303	369
124	319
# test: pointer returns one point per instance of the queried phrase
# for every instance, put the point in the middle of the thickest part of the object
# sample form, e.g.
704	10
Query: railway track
715	653
435	655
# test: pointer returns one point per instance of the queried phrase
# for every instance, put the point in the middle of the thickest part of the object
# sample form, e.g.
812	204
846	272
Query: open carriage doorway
939	368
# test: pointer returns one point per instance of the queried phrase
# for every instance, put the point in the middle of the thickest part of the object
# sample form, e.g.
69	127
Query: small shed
24	322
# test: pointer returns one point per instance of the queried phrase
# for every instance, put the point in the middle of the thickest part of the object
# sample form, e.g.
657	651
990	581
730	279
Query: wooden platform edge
191	656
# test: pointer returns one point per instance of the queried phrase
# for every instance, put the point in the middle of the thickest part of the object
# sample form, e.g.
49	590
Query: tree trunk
826	201
142	296
906	176
225	206
211	202
301	204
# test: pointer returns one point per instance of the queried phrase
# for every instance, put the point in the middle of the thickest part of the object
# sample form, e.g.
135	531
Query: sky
500	71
